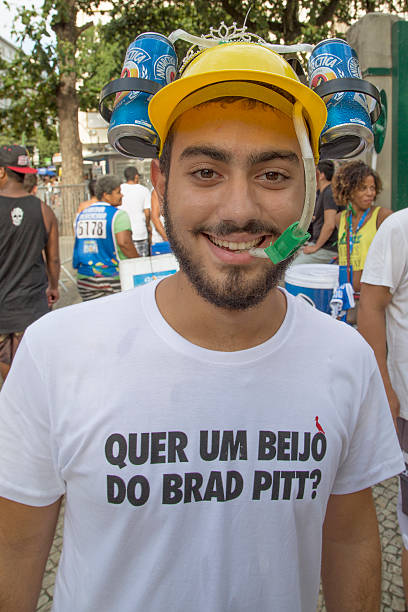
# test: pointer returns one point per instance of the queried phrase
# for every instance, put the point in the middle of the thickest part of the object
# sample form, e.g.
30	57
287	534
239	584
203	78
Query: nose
238	203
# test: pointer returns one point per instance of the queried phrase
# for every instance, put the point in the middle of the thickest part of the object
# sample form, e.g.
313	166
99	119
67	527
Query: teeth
235	246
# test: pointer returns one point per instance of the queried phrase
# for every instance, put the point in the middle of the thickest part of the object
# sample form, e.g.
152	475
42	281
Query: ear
158	180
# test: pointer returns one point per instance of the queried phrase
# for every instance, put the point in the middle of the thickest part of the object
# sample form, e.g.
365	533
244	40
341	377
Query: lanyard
352	236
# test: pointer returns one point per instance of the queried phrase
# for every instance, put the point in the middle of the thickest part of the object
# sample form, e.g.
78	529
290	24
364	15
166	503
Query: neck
132	182
323	184
13	189
215	328
360	212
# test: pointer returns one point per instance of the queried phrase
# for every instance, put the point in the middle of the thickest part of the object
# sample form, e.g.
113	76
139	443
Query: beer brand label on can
136	55
165	68
335	59
133	67
325	60
354	68
149	57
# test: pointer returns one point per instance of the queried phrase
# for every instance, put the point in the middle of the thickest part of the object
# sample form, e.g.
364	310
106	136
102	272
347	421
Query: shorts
8	346
142	247
402	503
93	287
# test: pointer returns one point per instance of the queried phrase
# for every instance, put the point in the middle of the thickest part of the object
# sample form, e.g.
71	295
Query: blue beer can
348	117
150	56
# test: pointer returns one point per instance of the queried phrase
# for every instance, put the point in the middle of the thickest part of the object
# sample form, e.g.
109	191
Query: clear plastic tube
213	42
309	173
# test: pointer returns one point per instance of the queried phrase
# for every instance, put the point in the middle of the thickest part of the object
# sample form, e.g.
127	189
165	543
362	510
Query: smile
235	246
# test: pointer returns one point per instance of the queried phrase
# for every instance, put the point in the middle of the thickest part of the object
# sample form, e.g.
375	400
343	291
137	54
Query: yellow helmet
250	70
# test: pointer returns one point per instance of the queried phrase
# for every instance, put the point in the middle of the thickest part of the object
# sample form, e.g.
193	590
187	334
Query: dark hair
351	176
165	156
29	182
250	103
106	184
130	172
91	187
14	176
326	167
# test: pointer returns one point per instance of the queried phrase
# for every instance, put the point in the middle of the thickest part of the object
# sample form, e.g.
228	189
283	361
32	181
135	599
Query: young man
102	237
383	321
136	202
29	254
323	247
218	487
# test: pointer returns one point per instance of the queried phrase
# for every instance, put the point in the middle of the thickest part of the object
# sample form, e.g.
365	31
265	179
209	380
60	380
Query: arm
338	215
351	554
125	243
329	224
51	254
374	300
26	534
156	216
147	221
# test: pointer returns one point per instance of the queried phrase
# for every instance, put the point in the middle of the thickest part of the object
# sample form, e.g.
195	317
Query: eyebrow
226	157
265	156
212	152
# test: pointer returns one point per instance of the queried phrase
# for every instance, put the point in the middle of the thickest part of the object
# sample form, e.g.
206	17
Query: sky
7	15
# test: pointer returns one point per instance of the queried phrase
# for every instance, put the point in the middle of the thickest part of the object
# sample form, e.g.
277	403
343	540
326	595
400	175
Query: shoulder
328	199
382	214
398	219
87	327
329	340
121	219
48	215
341	215
394	227
143	191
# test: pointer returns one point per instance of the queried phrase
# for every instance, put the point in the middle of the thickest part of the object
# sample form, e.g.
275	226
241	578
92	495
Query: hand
52	296
310	248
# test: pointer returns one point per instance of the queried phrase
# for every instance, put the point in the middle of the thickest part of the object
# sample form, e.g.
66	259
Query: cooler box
142	270
314	283
161	248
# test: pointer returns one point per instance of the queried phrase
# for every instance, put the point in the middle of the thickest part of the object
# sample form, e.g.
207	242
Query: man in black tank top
29	254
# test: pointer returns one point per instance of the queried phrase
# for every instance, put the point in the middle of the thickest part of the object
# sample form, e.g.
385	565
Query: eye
273	177
205	173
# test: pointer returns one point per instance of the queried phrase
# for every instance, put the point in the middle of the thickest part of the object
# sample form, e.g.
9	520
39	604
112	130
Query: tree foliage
61	73
32	81
286	22
68	64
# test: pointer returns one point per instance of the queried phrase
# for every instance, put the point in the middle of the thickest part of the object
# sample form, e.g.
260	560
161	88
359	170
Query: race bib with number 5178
91	229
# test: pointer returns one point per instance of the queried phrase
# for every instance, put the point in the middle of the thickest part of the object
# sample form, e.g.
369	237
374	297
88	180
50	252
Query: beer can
348	121
150	56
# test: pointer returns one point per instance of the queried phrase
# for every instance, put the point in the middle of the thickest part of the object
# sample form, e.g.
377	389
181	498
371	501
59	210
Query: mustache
253	226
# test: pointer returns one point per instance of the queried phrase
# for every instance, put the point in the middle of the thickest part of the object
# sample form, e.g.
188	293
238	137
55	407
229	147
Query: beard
236	291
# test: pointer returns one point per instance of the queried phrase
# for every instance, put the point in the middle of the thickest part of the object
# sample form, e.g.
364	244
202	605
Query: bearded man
203	467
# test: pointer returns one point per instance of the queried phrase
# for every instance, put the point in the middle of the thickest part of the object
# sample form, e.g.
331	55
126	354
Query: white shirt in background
136	199
387	265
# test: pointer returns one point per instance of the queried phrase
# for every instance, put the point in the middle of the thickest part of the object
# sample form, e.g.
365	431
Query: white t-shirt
194	479
387	265
136	199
